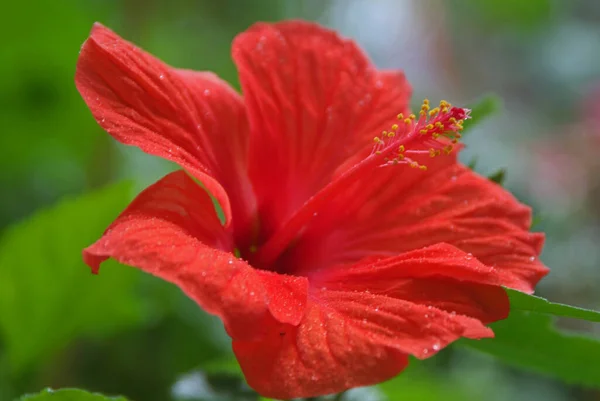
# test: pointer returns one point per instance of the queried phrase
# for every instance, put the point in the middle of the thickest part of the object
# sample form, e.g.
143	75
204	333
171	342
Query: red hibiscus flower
339	256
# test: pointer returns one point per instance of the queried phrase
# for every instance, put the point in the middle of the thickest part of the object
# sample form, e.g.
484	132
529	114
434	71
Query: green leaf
529	340
482	109
537	219
420	383
498	177
473	163
518	17
48	297
68	395
531	303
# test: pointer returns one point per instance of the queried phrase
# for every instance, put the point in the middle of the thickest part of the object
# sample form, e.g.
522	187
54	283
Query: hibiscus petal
191	118
362	320
441	276
323	355
313	100
348	339
398	209
172	231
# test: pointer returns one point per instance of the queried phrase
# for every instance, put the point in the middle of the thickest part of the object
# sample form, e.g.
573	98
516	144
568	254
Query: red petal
397	209
325	354
348	339
171	230
441	276
313	100
191	118
362	320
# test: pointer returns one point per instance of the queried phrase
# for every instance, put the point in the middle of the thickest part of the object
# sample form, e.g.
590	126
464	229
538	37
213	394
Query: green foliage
48	297
68	395
48	135
528	339
498	177
417	383
531	303
481	109
521	16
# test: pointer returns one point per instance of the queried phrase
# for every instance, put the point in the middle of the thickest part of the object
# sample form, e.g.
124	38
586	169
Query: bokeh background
126	333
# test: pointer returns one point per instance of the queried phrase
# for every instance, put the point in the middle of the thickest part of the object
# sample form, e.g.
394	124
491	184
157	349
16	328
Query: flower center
435	132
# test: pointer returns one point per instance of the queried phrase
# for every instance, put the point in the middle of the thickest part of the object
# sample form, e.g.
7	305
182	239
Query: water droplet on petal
532	259
206	92
161	76
436	347
425	351
469	256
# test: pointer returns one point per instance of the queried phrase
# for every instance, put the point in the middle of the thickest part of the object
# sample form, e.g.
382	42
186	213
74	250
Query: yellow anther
376	139
377	152
412	116
426	101
424	168
435	135
384	133
407	120
400	156
448	149
434	111
429	127
423	131
401	148
444	103
422	113
433	152
395	161
400	116
452	120
439	124
391	134
414	164
395	127
445	109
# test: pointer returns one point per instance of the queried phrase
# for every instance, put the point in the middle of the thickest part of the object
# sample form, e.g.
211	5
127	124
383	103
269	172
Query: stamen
436	130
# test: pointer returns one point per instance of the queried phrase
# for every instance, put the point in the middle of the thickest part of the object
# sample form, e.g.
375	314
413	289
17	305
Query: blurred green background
126	333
